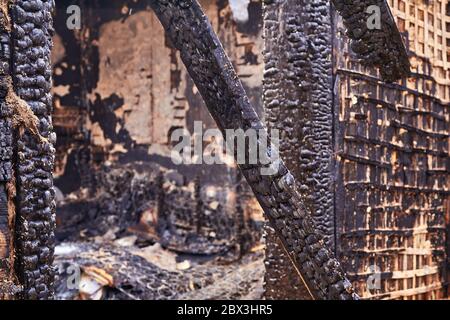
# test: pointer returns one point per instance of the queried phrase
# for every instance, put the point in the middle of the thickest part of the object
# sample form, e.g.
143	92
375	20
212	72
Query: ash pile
145	232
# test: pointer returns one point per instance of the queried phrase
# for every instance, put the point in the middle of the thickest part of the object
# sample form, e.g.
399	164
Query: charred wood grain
298	103
208	65
31	70
382	48
7	212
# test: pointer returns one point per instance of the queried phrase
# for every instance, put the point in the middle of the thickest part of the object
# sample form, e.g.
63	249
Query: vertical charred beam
31	38
191	33
298	103
7	189
6	151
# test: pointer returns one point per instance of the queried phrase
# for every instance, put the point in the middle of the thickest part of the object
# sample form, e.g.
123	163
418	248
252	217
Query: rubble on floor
145	232
159	205
93	271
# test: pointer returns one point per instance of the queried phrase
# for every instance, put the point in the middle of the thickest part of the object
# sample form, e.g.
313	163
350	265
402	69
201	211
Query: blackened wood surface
298	103
377	47
35	223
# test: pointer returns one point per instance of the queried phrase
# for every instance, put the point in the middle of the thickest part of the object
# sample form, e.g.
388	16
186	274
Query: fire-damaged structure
363	115
375	152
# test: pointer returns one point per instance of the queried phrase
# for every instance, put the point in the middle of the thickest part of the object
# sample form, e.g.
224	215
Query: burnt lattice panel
392	151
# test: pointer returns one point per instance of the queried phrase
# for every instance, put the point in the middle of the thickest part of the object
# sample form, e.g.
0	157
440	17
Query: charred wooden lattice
298	94
392	142
227	102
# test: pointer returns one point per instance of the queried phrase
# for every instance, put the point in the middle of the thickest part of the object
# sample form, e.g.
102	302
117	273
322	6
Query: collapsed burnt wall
120	91
393	162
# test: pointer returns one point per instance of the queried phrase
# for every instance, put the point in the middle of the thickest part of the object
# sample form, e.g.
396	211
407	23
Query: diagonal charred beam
380	45
191	33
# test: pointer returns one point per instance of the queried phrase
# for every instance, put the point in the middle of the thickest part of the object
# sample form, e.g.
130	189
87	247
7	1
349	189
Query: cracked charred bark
6	166
209	67
31	73
377	47
298	103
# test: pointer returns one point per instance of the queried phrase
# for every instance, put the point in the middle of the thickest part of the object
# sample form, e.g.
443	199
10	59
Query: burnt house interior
93	207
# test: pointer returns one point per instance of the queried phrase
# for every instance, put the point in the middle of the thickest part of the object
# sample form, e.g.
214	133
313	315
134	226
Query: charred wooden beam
6	165
31	72
191	33
378	46
298	103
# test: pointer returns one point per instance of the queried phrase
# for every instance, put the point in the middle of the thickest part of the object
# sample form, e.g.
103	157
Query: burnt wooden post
27	221
298	103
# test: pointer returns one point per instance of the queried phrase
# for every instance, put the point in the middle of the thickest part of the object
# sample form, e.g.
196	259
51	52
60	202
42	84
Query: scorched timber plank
6	166
32	29
378	46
